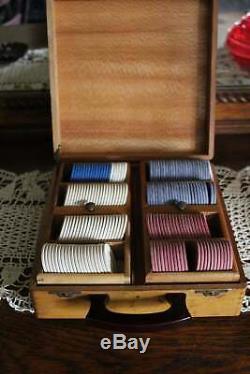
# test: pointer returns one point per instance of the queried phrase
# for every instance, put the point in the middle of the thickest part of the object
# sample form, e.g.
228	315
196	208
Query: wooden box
133	81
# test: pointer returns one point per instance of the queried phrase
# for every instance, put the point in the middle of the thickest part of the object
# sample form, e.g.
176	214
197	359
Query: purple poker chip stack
168	256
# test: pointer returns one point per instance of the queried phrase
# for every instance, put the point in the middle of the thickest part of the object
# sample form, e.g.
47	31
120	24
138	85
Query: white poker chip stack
93	228
101	194
73	258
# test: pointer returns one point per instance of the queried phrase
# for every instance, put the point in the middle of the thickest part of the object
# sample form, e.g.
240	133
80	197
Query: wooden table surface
199	346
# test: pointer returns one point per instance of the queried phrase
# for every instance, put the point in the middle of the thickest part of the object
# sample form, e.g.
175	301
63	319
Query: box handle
100	315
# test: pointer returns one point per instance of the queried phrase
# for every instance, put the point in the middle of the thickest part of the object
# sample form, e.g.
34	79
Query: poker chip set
93	214
182	241
90	242
135	221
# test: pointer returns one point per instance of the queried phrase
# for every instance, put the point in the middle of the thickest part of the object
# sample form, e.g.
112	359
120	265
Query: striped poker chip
213	255
171	225
194	193
168	256
179	169
99	172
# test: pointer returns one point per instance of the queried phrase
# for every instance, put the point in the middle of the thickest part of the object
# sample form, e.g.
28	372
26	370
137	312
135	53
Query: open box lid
132	78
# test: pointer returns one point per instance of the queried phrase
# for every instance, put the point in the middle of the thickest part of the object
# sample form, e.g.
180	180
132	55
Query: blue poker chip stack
179	170
195	193
96	172
187	181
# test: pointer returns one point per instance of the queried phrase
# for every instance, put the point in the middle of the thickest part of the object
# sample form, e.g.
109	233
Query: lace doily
235	187
31	72
22	199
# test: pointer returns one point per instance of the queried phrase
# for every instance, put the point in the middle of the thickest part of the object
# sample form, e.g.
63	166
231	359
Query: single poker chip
199	257
211	192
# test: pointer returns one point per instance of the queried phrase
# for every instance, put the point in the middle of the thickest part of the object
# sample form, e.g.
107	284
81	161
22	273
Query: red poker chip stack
168	256
214	255
171	225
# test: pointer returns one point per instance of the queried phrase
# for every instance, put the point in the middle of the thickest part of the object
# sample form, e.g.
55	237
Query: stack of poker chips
179	170
104	184
99	172
213	255
180	242
101	194
187	181
93	228
209	255
160	193
168	256
170	225
67	258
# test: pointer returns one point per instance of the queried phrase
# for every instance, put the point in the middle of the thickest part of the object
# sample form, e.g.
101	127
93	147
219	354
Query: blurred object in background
15	12
230	11
35	11
238	42
10	12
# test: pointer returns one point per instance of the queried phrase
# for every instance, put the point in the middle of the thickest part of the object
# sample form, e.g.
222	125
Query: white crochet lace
21	203
22	199
236	191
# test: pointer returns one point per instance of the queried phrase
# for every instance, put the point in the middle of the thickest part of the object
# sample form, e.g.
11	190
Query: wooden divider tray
53	224
137	233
